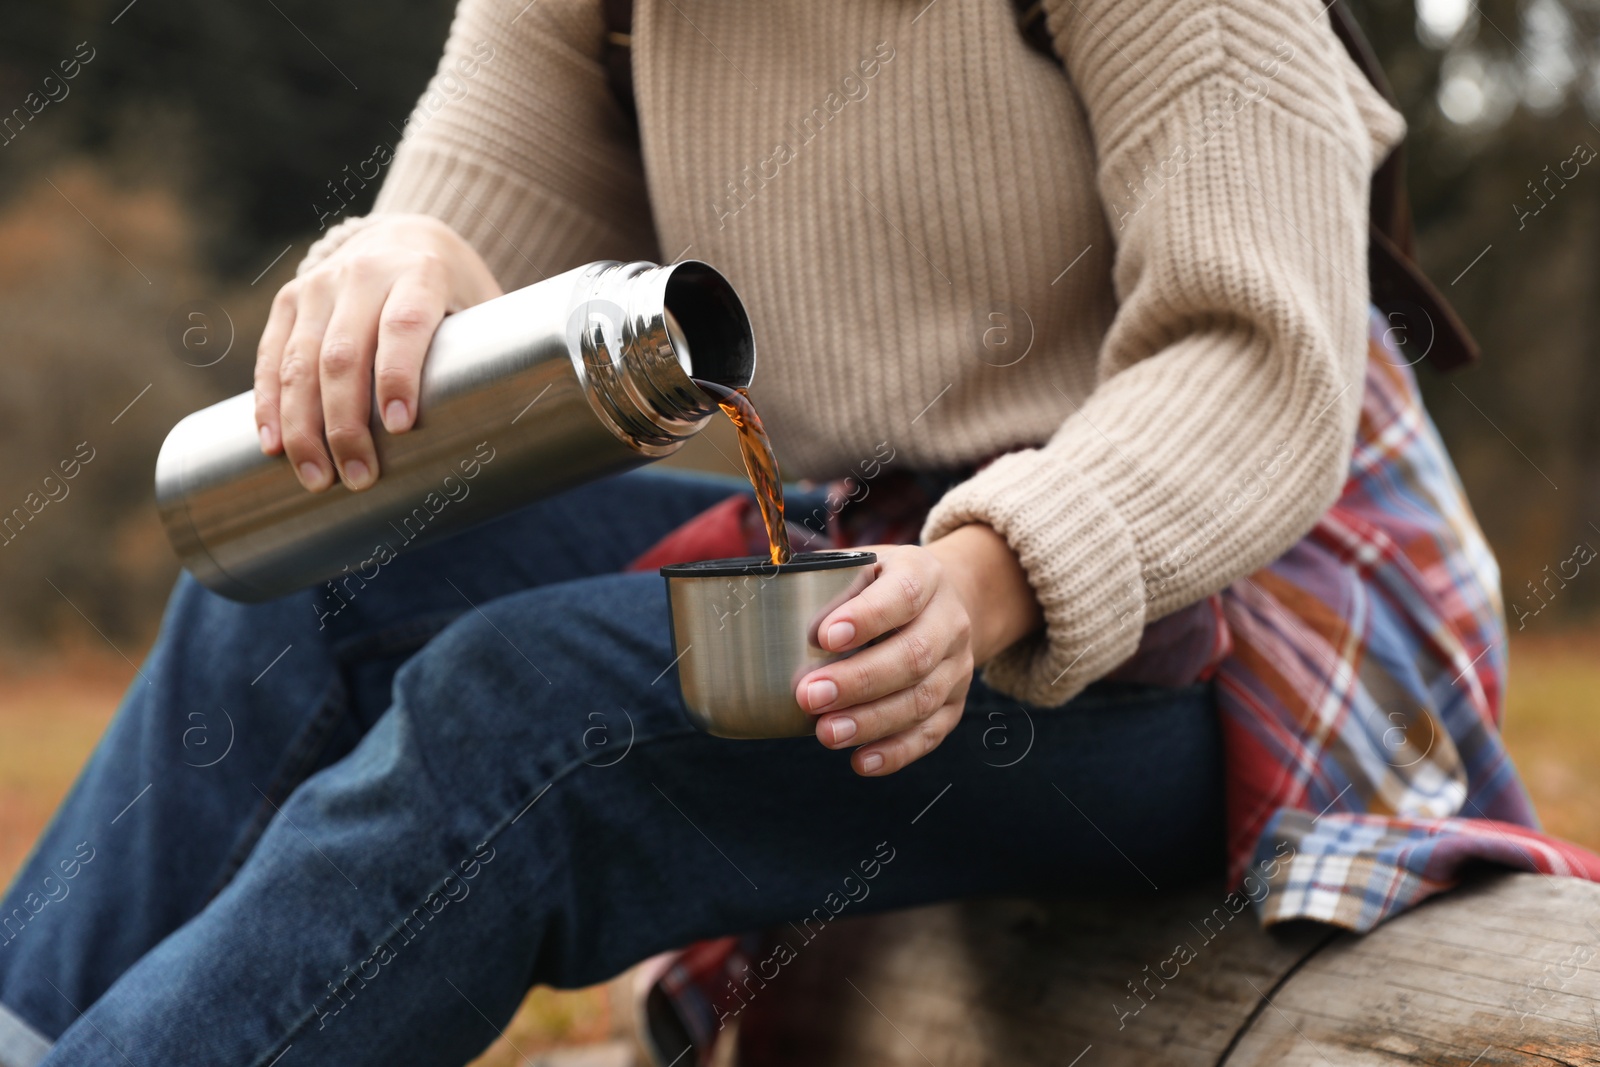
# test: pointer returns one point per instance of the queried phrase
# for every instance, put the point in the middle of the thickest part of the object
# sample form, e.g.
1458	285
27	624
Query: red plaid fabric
1360	680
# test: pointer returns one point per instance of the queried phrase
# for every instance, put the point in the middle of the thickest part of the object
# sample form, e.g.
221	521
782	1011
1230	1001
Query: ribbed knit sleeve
519	144
1234	144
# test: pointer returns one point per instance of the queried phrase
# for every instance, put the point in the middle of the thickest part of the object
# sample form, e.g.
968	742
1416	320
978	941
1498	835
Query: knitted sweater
1142	280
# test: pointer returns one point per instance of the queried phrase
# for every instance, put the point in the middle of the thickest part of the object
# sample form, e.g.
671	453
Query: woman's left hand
900	698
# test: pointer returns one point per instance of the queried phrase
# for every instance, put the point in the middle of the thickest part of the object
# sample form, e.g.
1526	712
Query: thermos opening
712	321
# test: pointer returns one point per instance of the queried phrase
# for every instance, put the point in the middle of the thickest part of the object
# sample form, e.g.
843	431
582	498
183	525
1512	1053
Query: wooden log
1023	982
1506	970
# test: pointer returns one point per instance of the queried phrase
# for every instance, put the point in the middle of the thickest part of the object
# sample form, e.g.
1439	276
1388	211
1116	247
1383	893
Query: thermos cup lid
740	566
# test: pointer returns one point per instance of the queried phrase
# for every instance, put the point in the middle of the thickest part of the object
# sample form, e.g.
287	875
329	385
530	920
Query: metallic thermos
579	376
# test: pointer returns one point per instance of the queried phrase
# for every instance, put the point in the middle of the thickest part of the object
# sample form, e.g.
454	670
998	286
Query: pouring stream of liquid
759	463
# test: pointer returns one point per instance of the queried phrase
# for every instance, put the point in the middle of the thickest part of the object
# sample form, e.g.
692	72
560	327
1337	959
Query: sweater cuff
330	242
1080	558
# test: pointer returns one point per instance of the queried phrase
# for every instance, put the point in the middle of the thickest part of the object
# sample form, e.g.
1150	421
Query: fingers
413	310
898	698
909	745
906	580
885	668
345	369
331	336
355	329
269	354
300	394
873	720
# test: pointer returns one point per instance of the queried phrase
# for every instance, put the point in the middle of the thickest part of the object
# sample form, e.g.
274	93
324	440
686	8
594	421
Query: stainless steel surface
743	640
579	376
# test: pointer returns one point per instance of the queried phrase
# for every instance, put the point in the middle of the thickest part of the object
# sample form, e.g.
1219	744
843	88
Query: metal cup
745	632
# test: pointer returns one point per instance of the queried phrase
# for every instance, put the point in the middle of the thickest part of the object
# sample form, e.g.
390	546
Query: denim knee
524	690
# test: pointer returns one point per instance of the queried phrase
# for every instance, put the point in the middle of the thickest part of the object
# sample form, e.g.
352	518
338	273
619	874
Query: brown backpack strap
1398	285
617	54
1030	20
1391	211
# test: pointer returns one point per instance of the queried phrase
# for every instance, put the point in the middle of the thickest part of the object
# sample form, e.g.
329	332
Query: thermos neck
643	332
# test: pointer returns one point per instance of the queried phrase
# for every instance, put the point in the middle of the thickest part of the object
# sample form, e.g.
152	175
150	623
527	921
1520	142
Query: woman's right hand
363	316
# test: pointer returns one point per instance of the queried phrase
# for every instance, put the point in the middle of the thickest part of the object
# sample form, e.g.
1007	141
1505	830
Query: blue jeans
358	836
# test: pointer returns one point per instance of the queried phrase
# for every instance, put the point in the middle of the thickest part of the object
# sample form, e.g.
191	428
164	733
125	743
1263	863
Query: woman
1121	314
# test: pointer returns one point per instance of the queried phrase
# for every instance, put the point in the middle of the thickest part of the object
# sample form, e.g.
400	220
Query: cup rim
762	566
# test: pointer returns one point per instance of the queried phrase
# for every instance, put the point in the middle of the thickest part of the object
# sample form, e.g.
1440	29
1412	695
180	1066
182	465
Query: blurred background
165	163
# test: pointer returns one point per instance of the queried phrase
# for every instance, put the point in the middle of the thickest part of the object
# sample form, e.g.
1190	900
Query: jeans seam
562	772
397	637
293	769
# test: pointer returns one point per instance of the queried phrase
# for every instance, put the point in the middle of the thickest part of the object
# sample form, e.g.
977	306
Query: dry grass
51	715
1553	730
49	720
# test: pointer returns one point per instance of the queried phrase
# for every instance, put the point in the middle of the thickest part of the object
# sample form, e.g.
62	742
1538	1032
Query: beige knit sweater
1143	279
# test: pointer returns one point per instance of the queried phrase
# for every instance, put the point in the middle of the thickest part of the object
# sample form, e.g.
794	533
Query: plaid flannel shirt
1359	679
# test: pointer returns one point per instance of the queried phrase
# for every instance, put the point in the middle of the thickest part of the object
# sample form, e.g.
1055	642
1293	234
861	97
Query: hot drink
759	463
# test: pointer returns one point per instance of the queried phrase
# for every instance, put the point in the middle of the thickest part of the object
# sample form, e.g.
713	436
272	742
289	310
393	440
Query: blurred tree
191	149
277	95
1502	98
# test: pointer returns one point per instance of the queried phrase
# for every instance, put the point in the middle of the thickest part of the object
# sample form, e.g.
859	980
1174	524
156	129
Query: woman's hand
946	608
367	313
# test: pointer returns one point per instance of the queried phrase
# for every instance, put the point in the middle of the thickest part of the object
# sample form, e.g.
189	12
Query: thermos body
579	376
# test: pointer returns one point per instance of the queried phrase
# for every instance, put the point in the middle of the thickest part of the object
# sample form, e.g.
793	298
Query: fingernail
356	474
820	693
266	439
310	475
394	416
871	762
840	634
843	729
